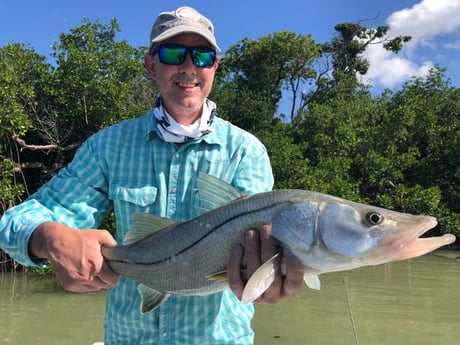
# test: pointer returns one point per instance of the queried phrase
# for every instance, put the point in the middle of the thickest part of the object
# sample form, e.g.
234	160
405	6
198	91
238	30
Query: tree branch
52	147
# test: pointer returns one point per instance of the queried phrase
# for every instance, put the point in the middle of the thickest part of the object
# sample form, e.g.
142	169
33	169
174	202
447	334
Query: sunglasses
175	54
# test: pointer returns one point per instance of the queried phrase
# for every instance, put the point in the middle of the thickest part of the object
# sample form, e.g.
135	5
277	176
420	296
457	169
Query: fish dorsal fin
150	298
312	281
214	192
145	224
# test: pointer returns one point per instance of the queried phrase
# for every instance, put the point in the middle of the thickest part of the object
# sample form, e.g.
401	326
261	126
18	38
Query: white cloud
427	22
389	70
452	45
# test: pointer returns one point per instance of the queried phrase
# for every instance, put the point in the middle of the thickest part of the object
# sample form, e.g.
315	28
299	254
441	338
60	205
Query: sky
433	24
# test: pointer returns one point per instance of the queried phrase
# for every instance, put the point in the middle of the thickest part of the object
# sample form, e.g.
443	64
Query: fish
324	232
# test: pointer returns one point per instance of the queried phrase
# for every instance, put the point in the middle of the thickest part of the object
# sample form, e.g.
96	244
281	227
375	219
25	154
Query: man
149	164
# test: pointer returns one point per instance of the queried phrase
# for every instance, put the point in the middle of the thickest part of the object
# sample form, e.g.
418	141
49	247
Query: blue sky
434	25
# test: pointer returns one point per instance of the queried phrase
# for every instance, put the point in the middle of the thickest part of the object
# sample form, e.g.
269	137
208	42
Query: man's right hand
76	256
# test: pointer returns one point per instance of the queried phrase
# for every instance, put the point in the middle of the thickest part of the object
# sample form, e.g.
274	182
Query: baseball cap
183	20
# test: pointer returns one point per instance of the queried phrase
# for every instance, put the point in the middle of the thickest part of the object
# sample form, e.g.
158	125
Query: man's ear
149	64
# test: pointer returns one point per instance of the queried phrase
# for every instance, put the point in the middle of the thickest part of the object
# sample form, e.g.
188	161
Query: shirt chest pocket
129	200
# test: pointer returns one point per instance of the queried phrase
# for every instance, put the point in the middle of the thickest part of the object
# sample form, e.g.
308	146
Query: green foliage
244	107
352	40
253	74
10	190
426	124
109	223
48	110
334	132
21	70
288	163
47	270
398	151
411	199
98	80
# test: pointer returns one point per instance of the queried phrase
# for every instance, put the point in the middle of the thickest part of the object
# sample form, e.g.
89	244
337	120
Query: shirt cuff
19	234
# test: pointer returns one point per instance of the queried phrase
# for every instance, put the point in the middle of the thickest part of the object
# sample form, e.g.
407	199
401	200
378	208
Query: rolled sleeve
16	227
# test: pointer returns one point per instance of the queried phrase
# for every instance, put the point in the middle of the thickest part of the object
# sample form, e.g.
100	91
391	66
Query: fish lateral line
145	222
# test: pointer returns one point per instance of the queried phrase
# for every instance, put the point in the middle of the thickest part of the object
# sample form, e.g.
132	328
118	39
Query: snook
325	233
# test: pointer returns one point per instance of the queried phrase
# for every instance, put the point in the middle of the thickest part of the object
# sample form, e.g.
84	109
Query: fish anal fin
312	281
145	224
259	281
150	298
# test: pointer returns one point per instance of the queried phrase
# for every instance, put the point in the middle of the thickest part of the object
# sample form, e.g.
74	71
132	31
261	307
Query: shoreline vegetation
8	265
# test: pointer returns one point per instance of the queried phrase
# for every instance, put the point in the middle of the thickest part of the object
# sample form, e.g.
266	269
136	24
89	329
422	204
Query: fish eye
374	218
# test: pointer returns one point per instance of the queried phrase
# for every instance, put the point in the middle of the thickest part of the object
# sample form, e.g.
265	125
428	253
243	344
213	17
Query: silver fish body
180	258
325	233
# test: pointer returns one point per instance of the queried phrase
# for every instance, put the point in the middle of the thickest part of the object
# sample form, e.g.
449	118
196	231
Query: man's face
184	87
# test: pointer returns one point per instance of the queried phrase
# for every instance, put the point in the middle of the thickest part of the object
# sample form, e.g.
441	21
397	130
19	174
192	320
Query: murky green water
411	302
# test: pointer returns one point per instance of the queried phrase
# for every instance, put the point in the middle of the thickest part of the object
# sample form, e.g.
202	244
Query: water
36	311
410	302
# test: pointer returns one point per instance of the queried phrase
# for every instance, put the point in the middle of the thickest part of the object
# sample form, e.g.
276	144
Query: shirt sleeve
254	174
76	196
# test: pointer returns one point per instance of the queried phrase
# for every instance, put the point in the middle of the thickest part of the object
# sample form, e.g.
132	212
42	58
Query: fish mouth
410	244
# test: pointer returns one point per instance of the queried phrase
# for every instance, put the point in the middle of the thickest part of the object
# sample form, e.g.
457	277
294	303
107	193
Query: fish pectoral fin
312	281
260	281
150	298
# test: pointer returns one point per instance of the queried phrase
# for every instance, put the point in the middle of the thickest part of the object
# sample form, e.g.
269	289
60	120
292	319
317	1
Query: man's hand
76	256
260	248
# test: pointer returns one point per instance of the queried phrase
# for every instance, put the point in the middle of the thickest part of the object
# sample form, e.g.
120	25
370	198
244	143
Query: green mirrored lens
171	54
203	57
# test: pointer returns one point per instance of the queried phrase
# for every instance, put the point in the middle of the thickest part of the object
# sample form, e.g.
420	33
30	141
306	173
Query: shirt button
177	155
164	334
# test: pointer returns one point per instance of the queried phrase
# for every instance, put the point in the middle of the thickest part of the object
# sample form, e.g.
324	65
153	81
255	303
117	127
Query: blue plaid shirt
129	168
